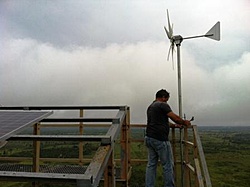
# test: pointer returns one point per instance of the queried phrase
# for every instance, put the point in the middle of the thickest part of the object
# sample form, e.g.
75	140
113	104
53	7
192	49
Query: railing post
186	159
195	158
81	143
37	146
174	153
36	151
109	174
125	149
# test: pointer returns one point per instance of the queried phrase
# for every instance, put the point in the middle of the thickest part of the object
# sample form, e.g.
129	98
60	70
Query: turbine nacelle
177	39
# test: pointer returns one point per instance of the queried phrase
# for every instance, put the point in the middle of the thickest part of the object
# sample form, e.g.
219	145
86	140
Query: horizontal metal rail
62	107
80	120
190	167
65	160
98	138
191	144
46	125
52	177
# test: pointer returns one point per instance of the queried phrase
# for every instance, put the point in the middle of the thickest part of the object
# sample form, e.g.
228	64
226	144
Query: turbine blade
169	52
169	25
168	34
172	47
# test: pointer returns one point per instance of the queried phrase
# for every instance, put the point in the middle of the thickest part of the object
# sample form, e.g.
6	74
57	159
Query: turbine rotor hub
177	39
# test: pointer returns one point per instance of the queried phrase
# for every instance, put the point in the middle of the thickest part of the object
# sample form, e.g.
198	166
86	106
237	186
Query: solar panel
13	122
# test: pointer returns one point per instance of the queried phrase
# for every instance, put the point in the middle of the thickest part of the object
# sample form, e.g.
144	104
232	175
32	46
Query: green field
227	151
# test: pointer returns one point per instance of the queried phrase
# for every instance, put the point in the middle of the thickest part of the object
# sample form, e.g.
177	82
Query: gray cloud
95	23
121	74
114	53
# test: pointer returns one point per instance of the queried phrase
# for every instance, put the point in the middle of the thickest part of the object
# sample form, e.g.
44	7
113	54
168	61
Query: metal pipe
191	37
178	44
179	79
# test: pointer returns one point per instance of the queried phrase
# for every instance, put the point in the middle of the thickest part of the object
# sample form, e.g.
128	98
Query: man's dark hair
162	93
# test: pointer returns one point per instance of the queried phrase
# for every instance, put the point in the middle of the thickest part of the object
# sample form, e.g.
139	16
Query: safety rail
189	158
101	165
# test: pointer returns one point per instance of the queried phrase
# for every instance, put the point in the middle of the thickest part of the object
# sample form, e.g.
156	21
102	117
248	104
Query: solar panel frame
13	122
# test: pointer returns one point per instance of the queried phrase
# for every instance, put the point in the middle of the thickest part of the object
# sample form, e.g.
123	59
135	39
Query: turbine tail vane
214	32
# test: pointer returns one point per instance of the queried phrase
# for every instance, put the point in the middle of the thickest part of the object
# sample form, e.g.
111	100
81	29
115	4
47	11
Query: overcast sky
76	52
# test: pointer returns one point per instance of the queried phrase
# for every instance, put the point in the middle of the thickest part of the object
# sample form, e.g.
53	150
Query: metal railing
189	158
100	165
190	163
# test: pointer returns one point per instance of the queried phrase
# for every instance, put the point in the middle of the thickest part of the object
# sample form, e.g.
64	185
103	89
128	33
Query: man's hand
187	123
175	125
174	117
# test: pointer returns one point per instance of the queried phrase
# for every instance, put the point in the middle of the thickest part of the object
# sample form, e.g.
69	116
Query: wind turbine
213	33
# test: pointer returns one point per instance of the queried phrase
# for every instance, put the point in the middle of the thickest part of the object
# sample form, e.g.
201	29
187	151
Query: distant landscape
227	152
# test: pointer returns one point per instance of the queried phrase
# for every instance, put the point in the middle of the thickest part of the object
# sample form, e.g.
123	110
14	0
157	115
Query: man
157	141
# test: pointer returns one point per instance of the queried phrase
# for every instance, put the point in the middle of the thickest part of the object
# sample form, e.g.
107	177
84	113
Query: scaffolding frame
102	166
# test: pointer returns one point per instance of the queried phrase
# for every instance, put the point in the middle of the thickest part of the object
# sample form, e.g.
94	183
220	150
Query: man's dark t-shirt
157	121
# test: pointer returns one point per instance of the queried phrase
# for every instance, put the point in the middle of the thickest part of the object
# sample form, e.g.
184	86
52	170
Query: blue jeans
159	150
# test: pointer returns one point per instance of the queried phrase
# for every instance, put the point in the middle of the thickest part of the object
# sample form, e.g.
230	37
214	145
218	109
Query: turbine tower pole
178	39
179	81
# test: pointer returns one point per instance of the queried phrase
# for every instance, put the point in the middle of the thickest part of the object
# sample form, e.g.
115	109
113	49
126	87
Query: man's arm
174	117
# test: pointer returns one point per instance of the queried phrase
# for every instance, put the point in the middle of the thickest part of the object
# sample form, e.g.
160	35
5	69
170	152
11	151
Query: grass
227	154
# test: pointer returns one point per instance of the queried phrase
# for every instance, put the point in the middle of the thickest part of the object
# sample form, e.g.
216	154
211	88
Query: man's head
162	95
